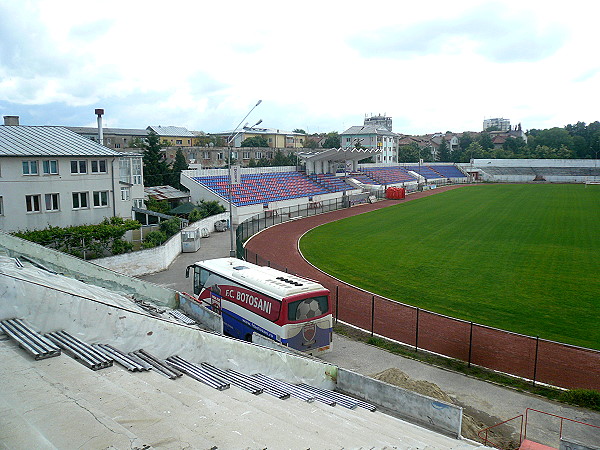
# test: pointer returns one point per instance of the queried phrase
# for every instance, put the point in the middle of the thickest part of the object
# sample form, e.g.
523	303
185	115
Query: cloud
491	30
91	31
25	47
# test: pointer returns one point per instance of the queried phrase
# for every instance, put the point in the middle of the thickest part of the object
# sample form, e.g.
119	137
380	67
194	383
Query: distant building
53	176
275	137
379	121
499	123
173	136
370	137
116	138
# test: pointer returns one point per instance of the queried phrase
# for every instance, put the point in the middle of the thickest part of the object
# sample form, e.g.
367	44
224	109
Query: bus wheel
248	337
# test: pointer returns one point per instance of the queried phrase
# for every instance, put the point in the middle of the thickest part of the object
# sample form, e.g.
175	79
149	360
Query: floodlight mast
234	134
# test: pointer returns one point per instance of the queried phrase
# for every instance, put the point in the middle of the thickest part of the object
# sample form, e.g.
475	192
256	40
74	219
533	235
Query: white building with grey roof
51	176
376	138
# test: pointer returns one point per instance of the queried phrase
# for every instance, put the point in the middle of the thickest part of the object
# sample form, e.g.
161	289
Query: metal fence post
337	297
537	344
417	332
372	314
470	344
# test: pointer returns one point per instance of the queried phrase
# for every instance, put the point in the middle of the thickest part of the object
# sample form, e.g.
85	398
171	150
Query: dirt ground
470	424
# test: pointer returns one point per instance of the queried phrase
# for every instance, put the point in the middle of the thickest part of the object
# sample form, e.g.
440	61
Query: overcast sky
317	65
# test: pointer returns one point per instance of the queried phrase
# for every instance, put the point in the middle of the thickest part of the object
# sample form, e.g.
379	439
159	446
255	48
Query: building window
30	168
51	202
219	156
136	170
99	166
117	145
33	203
124	169
125	193
246	155
79	166
178	142
138	203
100	198
1	206
80	200
258	155
50	167
234	155
206	155
270	155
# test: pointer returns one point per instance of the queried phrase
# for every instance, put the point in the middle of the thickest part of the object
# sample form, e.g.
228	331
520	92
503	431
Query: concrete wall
158	258
570	444
536	162
87	271
129	330
201	314
416	408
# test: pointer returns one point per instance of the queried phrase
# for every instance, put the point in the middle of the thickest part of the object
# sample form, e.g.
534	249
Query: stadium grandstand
534	170
329	175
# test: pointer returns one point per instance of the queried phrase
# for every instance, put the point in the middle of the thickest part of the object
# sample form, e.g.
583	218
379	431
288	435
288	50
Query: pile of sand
470	426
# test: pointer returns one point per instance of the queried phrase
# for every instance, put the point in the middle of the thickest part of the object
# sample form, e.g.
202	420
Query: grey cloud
92	30
25	49
202	84
499	35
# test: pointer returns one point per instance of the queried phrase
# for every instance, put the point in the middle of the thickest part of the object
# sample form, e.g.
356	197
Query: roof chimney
11	120
99	113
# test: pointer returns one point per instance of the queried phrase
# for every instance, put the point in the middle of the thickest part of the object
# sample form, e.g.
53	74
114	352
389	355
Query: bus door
215	302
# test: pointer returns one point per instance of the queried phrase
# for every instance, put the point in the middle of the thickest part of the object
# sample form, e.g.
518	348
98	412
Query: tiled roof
47	141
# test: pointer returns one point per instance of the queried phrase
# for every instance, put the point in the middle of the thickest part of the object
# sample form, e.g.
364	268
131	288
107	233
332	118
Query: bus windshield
307	308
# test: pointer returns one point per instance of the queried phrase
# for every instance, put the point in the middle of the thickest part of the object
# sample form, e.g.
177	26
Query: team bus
254	299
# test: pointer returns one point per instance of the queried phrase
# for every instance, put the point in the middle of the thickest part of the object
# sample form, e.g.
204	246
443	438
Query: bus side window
197	286
200	278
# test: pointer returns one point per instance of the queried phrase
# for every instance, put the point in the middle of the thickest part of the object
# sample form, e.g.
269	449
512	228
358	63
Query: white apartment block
52	176
379	139
498	122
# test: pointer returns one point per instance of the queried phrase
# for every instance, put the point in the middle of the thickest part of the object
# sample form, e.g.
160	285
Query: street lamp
232	251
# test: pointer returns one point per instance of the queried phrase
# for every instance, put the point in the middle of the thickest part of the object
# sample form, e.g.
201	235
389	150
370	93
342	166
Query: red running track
524	356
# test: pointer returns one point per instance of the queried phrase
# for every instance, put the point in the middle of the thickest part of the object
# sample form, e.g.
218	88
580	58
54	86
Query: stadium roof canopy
337	154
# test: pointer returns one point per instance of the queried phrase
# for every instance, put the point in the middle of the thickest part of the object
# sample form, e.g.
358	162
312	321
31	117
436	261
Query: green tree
159	206
465	140
409	153
298	130
332	140
179	165
170	226
156	169
255	141
310	143
136	142
485	140
554	138
514	147
475	150
444	152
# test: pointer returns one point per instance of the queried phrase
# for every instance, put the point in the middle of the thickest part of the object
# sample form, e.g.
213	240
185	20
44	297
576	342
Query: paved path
481	399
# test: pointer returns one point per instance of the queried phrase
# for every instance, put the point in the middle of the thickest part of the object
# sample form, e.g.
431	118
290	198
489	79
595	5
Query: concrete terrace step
53	400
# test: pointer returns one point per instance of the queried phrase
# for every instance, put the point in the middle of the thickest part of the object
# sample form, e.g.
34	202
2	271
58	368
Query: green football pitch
524	258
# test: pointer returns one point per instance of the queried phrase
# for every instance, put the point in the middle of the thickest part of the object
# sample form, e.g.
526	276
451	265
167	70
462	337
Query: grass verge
586	398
